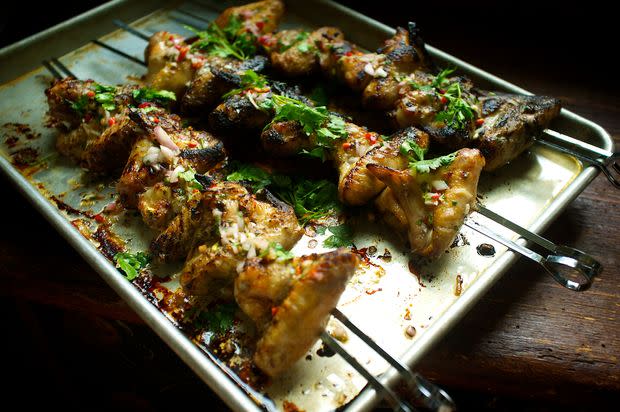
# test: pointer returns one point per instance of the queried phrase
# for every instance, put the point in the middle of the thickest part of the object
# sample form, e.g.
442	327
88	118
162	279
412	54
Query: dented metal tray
383	299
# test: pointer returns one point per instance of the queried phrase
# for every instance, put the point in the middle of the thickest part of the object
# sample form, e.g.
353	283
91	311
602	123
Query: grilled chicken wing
173	64
431	206
357	186
98	139
246	225
511	122
290	302
150	160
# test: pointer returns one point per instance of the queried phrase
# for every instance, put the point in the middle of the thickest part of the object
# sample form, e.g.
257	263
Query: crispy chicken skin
432	221
358	186
246	224
90	135
511	123
198	150
173	64
291	302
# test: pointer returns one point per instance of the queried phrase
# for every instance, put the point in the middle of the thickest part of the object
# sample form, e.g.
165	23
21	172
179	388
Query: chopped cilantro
80	105
341	235
257	177
249	80
190	177
148	94
230	41
416	154
299	38
218	319
326	126
277	252
311	199
131	264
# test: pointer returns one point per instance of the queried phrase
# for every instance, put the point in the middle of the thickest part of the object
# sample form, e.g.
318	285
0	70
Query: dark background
567	44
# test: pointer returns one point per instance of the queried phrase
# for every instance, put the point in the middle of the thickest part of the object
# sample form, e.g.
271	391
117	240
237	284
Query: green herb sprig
148	94
229	41
416	154
131	264
249	80
277	250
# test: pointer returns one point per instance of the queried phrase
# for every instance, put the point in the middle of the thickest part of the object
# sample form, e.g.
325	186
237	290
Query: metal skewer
119	52
593	155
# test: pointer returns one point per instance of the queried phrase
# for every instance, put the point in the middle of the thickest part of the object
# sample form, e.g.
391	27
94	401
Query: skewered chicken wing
290	302
430	206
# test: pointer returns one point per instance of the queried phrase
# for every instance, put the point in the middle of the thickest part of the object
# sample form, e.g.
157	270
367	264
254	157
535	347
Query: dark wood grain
528	338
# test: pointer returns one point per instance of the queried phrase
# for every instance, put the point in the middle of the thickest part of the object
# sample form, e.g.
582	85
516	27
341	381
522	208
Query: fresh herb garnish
311	199
458	111
148	94
218	319
257	177
341	236
249	80
299	38
79	105
416	154
230	41
190	177
131	264
319	121
277	252
104	95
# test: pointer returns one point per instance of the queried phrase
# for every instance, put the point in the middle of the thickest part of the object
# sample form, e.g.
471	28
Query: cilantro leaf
190	177
79	105
341	235
416	154
104	95
326	126
148	94
425	166
277	252
410	147
229	41
218	319
131	264
299	38
258	178
249	80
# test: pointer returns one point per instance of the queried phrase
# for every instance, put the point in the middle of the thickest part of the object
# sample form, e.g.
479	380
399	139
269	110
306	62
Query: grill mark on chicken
291	302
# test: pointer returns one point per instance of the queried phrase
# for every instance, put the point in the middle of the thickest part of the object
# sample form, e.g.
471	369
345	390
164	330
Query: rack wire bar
593	155
130	29
394	400
119	52
429	394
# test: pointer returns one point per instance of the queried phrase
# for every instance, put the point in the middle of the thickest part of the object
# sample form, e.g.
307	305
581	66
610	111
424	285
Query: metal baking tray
383	299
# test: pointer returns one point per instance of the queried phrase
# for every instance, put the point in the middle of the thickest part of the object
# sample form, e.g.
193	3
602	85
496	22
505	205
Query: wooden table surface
528	340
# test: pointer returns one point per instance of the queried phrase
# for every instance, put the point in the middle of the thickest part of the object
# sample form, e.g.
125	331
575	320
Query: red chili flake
372	139
197	65
99	218
90	93
274	310
444	99
111	121
349	53
192	144
479	122
195	190
346	145
156	120
88	117
260	25
178	47
145	104
183	53
171	38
